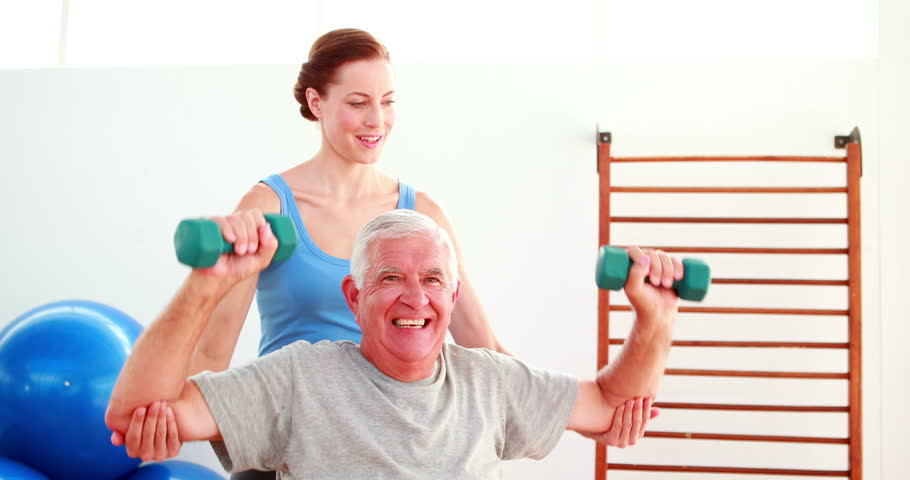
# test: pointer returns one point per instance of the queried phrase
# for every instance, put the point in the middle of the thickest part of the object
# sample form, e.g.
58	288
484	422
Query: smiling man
403	403
402	288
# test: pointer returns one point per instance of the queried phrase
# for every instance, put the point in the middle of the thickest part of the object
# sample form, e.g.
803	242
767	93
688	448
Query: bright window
29	33
103	33
726	29
472	29
189	32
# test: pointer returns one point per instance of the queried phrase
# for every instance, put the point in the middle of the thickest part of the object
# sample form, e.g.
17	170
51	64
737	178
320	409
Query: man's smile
410	322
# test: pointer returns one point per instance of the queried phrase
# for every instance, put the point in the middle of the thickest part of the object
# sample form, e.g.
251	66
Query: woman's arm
219	339
470	326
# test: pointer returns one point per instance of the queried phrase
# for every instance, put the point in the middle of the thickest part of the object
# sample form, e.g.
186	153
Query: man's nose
413	295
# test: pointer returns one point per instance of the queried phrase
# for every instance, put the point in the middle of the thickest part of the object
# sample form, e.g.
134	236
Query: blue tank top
300	298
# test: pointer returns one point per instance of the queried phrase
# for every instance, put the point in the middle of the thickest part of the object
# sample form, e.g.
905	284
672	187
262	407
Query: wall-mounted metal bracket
841	141
602	137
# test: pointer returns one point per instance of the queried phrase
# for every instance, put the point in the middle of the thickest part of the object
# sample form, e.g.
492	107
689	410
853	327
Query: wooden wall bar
852	314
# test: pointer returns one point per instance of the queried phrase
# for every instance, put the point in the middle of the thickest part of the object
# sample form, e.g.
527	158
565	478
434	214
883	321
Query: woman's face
357	112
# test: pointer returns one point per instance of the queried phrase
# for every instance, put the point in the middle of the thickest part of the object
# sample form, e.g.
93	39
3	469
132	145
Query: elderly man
403	403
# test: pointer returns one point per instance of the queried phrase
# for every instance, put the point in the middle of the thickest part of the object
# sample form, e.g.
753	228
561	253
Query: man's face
405	305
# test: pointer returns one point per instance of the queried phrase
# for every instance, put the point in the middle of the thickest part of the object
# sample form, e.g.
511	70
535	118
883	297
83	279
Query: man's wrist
205	287
654	328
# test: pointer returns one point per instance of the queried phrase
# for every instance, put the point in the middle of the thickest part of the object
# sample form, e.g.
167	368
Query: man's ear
457	291
351	295
314	102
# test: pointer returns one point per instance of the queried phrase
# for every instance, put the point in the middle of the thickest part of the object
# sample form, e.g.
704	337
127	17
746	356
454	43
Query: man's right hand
254	246
152	434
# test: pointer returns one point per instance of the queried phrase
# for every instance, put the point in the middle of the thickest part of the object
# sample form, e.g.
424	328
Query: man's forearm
156	368
638	369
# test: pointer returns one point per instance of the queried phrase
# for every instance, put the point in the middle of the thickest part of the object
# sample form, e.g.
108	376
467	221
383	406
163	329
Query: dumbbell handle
613	266
199	243
226	247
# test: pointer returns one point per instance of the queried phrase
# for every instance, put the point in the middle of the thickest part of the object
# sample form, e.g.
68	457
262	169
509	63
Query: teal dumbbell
613	268
199	243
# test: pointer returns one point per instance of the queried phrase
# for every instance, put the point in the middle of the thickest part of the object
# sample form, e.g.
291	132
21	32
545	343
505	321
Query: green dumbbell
199	243
613	268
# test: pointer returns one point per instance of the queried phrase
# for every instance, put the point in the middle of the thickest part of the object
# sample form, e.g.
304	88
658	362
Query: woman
346	86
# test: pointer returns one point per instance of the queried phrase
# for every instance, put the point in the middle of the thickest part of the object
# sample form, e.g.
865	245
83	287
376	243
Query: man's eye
434	280
390	278
358	104
388	102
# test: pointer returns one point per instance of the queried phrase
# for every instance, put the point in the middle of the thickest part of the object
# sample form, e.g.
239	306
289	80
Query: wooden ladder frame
853	162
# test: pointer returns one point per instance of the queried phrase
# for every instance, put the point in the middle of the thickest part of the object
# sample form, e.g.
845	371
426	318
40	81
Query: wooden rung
698	469
758	374
728	190
756	250
777	281
747	438
757	220
736	344
757	311
730	159
752	408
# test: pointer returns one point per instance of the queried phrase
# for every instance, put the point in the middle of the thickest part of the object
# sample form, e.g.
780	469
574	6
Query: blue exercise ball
58	366
13	470
173	470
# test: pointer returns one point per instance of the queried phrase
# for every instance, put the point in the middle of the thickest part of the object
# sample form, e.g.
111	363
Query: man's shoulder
476	353
323	346
476	359
482	359
454	350
304	351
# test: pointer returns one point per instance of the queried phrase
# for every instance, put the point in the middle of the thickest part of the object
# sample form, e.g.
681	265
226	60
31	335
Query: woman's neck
329	174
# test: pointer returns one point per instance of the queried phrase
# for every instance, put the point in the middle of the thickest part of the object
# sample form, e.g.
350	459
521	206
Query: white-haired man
403	403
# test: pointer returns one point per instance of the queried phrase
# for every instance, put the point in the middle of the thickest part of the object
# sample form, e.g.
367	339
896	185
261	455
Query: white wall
894	72
100	164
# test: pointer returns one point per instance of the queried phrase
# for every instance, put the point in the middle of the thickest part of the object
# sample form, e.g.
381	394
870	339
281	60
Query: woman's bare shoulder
262	197
425	204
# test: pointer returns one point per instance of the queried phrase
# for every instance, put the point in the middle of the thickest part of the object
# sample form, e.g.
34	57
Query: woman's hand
629	423
152	434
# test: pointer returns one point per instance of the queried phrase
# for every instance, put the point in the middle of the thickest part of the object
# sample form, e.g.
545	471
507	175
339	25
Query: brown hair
329	52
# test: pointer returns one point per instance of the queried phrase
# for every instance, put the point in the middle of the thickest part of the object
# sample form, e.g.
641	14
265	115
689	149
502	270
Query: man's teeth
409	323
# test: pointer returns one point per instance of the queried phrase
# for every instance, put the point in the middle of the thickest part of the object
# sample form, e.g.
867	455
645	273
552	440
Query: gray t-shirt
322	411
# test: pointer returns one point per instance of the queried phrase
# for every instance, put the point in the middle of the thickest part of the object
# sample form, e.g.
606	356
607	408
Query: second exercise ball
173	470
58	366
13	470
